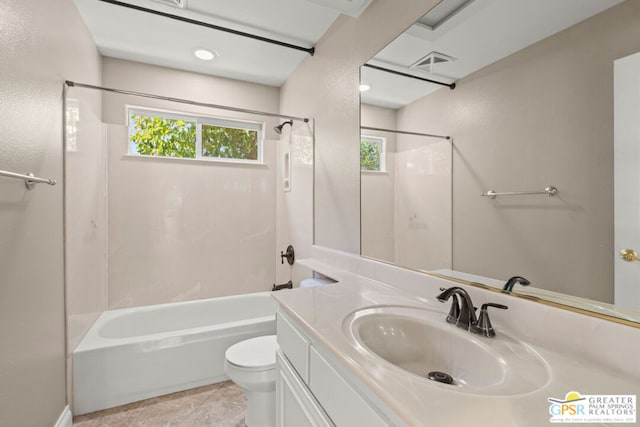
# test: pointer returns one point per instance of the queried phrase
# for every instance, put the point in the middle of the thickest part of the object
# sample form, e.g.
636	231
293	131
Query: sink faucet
513	280
466	312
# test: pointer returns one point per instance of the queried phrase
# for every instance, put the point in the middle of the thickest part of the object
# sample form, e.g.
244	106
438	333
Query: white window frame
199	120
382	142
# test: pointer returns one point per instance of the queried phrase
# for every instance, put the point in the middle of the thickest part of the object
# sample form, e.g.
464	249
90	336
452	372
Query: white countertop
320	312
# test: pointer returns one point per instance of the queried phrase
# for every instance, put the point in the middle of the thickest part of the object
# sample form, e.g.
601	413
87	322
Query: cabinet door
340	401
295	406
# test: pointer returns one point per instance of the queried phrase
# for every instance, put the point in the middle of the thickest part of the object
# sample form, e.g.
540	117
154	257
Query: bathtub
137	353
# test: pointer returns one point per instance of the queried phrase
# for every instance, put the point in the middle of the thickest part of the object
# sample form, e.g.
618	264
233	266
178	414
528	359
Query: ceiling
479	34
120	32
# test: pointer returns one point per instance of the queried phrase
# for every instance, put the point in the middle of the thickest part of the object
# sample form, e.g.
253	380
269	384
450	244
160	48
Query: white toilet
251	364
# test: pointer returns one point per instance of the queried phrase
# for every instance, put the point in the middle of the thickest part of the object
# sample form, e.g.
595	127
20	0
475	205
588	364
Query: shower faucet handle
290	255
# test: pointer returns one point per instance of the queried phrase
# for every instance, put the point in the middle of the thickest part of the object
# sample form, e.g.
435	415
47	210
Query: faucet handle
484	323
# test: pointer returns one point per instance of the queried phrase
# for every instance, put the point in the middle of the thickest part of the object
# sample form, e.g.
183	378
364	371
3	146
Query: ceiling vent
182	4
429	63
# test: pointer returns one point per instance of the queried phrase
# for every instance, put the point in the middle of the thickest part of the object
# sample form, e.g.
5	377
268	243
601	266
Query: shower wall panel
183	229
85	213
294	206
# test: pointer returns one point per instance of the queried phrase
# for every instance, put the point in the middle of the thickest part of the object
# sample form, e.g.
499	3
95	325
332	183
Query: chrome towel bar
29	180
549	191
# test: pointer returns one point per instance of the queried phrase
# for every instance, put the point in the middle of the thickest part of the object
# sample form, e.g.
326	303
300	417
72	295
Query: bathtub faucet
288	285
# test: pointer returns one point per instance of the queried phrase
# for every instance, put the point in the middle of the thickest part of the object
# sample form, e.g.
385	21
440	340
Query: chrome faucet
513	280
464	315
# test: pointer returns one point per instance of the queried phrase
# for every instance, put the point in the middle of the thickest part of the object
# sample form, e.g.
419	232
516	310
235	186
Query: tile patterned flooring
217	405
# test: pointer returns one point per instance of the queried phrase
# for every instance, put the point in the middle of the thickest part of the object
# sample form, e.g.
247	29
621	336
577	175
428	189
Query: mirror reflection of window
372	153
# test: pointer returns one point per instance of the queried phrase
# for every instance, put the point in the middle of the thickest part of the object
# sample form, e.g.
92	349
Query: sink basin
418	342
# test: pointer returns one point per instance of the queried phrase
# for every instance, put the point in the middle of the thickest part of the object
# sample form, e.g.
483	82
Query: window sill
212	161
374	172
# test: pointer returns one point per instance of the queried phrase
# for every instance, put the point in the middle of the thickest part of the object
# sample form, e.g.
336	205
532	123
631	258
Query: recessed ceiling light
364	87
204	54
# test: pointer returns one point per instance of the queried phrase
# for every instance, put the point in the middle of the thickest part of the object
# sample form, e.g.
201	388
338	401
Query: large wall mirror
544	99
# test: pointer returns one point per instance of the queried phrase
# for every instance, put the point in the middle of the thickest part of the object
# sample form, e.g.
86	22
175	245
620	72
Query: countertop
320	312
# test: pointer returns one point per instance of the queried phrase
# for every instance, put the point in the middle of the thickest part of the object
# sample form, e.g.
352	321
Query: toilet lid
257	352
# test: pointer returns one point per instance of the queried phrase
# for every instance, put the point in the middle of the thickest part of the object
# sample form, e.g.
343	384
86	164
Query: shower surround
142	231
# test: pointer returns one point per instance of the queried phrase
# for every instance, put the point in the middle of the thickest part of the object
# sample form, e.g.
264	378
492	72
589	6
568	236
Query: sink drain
440	377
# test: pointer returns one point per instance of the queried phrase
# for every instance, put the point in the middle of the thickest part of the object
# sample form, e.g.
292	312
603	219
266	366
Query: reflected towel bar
30	181
549	191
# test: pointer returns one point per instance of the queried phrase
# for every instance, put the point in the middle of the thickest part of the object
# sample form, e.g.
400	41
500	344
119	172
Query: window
372	149
179	135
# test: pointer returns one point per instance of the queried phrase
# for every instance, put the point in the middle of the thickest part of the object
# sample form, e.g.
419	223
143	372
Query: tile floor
217	405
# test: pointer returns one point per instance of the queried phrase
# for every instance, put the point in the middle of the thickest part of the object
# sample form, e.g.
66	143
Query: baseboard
65	419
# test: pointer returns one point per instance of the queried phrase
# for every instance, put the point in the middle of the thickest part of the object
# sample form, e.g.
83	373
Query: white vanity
341	354
311	391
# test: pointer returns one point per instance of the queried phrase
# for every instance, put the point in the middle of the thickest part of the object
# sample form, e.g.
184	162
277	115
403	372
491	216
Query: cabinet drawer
341	402
294	346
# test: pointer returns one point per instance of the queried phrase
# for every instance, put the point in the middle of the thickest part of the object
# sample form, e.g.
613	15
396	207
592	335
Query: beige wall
543	116
203	229
42	44
325	87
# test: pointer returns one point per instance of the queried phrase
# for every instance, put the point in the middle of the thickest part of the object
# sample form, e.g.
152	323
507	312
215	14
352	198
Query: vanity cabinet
296	406
310	391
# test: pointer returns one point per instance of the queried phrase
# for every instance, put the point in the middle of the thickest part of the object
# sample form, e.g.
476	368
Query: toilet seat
255	354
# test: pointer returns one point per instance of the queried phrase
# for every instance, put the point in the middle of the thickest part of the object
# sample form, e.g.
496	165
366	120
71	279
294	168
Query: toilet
251	364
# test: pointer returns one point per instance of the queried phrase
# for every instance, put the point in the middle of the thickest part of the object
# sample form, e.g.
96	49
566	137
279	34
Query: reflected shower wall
406	210
423	203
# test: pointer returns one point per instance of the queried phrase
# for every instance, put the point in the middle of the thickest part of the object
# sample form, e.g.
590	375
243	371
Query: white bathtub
137	353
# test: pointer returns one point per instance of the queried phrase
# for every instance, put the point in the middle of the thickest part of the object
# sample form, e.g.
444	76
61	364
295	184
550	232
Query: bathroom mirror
533	108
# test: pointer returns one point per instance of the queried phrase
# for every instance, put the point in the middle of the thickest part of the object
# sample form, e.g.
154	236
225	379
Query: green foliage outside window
229	143
369	156
157	136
